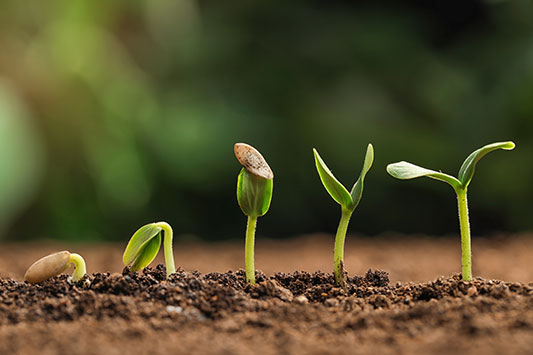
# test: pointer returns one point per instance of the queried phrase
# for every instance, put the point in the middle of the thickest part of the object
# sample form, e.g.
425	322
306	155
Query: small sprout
53	265
254	193
404	171
144	245
348	202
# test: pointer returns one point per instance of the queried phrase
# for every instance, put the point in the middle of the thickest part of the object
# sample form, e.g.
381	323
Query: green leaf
147	253
357	189
254	193
469	166
405	171
336	190
143	247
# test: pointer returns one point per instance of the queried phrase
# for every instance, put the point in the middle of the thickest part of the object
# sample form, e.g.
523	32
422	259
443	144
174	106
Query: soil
298	312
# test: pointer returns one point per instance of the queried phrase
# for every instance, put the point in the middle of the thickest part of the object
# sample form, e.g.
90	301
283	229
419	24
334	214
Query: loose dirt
300	312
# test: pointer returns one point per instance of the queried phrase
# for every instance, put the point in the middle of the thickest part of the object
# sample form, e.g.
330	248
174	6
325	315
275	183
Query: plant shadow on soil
306	310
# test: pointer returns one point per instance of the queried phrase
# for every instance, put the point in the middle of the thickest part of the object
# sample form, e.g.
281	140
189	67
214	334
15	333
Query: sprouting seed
144	245
348	202
53	265
252	160
404	171
254	194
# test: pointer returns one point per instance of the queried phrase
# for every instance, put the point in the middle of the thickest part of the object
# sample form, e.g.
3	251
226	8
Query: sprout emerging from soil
404	171
53	265
348	202
254	193
144	245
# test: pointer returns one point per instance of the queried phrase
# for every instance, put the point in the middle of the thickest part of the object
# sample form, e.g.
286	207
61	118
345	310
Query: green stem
466	256
339	247
167	247
249	250
79	267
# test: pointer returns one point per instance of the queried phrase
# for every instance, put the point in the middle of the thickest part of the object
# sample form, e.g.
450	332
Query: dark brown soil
285	313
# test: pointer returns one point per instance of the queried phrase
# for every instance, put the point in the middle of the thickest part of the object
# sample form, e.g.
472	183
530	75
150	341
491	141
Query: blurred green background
118	113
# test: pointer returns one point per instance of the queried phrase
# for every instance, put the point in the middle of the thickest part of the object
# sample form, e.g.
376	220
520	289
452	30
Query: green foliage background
114	114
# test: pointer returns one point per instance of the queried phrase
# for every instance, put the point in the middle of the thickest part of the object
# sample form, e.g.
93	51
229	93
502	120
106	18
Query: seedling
254	193
404	171
55	264
348	202
144	245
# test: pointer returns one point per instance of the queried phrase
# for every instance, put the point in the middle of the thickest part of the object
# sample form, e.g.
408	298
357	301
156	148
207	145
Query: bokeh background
118	113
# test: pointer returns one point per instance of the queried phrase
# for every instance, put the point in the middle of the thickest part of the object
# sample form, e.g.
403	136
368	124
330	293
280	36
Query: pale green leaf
141	249
337	191
469	166
405	171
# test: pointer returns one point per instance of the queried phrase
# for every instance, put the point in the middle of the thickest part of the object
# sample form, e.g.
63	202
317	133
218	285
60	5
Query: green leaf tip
254	193
143	246
466	172
357	188
337	191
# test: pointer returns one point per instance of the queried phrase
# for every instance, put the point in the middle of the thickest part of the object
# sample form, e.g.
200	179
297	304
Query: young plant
144	245
254	193
348	202
53	265
404	171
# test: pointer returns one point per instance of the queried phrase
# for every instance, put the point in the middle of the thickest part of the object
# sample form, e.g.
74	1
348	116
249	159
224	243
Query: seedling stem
167	246
466	254
79	267
339	246
249	250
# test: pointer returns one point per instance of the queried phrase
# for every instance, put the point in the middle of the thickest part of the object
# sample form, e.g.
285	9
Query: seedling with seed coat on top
144	245
348	202
53	265
254	194
404	170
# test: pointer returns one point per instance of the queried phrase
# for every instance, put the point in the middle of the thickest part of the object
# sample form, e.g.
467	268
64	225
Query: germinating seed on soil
53	265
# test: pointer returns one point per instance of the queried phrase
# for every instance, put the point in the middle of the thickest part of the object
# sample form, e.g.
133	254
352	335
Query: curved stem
249	250
79	267
167	247
466	253
339	247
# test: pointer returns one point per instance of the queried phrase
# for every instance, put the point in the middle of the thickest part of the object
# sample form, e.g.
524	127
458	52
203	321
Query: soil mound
296	313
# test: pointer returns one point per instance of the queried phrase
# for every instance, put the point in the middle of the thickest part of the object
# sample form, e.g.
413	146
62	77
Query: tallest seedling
348	202
254	193
404	170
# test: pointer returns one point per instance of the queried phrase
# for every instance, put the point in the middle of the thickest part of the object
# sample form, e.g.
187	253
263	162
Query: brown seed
252	160
47	267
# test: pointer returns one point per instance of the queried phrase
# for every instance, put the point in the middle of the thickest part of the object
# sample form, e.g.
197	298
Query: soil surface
411	309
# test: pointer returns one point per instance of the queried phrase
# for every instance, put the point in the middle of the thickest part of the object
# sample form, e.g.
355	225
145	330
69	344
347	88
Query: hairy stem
249	250
464	224
339	247
79	267
167	247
